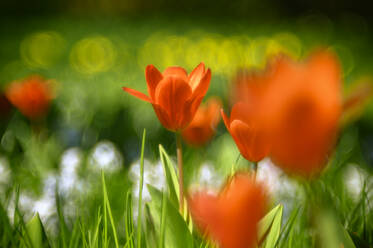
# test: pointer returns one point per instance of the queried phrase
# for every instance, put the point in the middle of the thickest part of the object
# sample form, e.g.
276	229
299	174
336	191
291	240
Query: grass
167	228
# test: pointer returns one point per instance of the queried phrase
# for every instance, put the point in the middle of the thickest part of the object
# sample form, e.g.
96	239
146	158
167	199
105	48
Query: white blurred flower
106	156
45	205
26	203
355	177
278	184
153	176
207	178
70	162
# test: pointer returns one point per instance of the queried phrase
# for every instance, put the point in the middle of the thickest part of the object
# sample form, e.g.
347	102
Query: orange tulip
301	109
245	128
31	96
231	217
203	125
174	94
249	86
244	124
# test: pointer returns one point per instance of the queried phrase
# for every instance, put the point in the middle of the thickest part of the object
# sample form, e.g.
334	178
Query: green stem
179	153
141	189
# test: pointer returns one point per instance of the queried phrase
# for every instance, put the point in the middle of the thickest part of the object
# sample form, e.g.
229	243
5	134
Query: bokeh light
93	55
42	49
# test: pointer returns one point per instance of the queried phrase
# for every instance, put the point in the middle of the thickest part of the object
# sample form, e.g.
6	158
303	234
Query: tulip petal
225	119
242	111
153	77
212	110
137	94
196	75
201	88
176	71
203	207
171	94
189	111
163	117
250	143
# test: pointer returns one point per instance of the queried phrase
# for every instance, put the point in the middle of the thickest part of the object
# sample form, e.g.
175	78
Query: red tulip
249	136
174	94
31	96
231	217
203	125
244	123
301	110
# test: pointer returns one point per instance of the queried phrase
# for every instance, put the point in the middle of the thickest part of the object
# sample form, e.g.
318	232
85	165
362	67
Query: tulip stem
179	152
255	168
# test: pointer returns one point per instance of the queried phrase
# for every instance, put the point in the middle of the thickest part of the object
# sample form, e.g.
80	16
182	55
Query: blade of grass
98	223
74	240
129	221
163	218
18	220
108	208
288	227
105	242
62	224
141	187
82	231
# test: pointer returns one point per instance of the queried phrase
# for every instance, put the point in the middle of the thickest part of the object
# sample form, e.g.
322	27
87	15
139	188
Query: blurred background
90	49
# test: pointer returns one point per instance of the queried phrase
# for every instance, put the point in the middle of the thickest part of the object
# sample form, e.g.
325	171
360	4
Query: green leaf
288	228
346	238
176	233
36	232
171	176
331	232
269	227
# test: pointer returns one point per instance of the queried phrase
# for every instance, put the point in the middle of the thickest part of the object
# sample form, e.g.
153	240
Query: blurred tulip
231	217
203	125
244	126
301	110
174	94
249	86
31	96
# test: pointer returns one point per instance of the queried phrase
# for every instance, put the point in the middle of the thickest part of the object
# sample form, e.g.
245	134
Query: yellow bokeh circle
93	55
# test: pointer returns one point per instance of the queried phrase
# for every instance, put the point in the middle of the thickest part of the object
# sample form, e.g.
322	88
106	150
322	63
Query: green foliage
36	232
269	228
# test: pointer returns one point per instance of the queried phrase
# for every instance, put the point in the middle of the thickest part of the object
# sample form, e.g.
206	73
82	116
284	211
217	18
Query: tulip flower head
244	123
31	96
174	94
245	128
231	217
301	109
203	125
